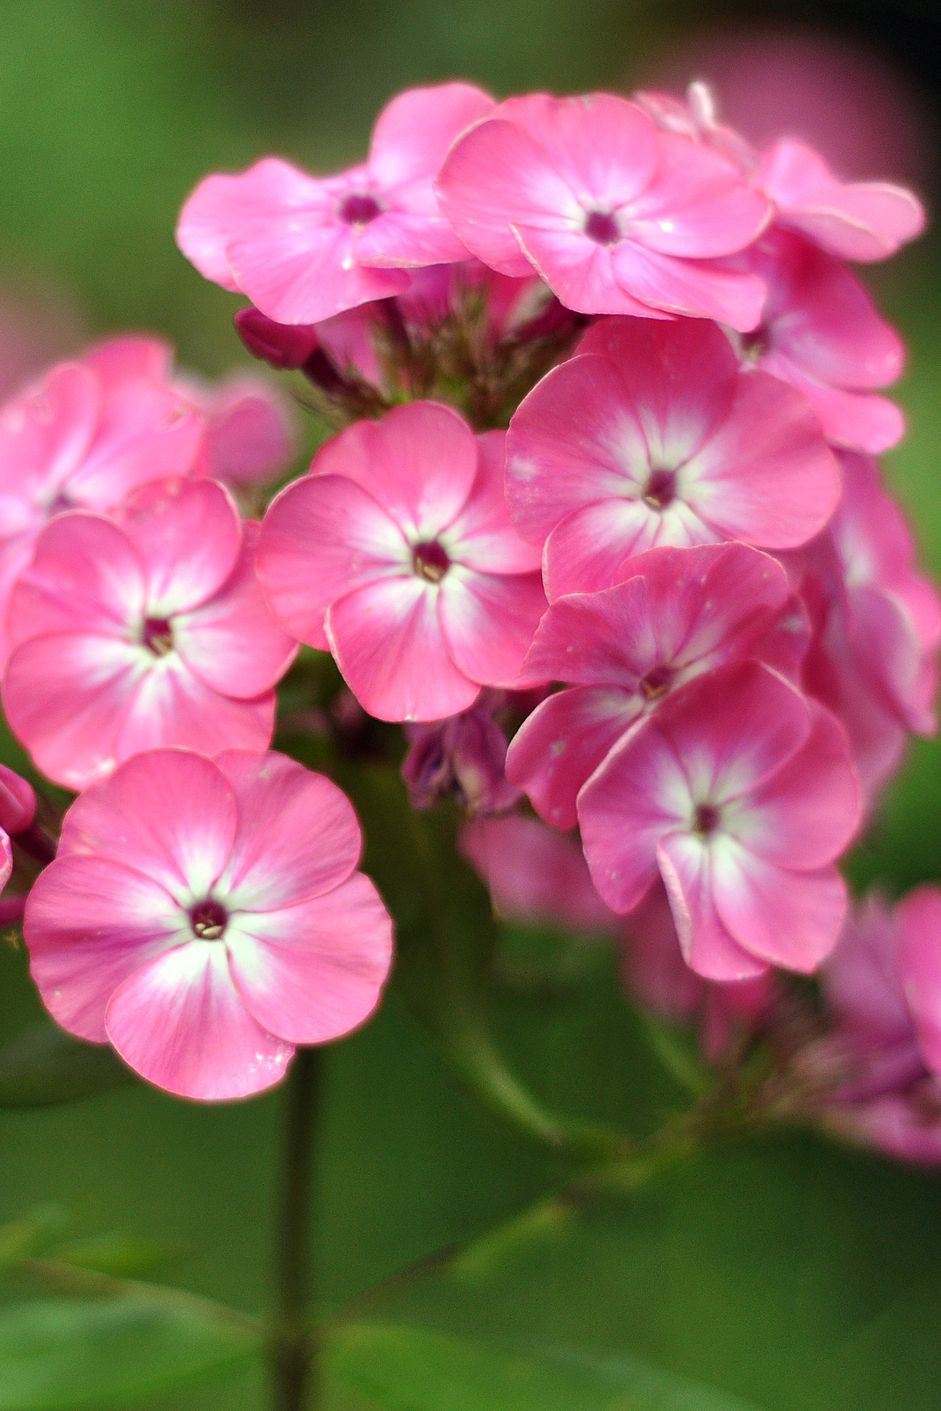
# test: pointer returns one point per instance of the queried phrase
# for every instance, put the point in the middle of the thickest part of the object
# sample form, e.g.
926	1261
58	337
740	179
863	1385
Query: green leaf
414	1369
90	1355
43	1066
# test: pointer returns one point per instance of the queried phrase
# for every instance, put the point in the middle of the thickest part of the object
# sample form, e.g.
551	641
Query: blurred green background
790	1277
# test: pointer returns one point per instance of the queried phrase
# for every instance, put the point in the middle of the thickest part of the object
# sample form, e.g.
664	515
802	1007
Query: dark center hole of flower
755	344
705	819
359	209
430	561
158	636
656	683
208	920
601	227
660	490
61	503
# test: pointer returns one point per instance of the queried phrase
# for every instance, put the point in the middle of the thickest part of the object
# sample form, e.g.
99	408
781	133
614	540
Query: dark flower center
208	920
706	819
660	490
430	561
359	209
157	636
656	683
601	227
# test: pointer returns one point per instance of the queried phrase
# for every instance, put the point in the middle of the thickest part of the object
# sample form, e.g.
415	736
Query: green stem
293	1349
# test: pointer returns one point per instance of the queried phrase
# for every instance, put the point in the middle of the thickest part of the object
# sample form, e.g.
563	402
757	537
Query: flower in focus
397	554
625	649
303	248
204	917
655	435
617	216
145	629
740	794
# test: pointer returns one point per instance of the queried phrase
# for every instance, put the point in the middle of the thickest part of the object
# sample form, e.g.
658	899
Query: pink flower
464	756
617	216
856	220
303	248
205	917
83	436
397	553
876	1062
250	433
536	877
821	333
142	630
625	649
17	802
655	435
740	794
6	858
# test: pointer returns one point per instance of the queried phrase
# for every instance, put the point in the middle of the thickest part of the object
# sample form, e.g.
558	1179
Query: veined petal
792	919
188	535
488	621
686	866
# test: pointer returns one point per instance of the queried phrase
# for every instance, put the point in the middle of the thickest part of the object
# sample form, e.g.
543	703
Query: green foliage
43	1066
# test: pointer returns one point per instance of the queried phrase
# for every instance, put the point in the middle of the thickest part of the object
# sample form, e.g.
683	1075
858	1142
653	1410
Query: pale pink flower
205	917
397	554
250	432
655	435
303	248
535	876
876	1062
617	216
145	629
856	220
625	649
740	794
83	436
821	333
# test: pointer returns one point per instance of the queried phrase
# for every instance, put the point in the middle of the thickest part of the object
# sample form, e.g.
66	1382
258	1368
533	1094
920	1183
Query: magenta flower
617	216
83	436
146	629
303	248
655	435
206	916
920	964
740	794
397	554
623	650
17	812
821	333
857	220
250	433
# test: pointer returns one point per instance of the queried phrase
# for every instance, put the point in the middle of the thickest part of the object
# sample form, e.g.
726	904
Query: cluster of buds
600	527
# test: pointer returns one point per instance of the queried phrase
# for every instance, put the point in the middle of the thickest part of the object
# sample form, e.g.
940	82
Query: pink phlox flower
740	794
398	555
695	116
83	436
204	917
250	431
855	220
624	650
821	333
919	916
655	435
617	215
303	248
463	756
536	877
144	629
653	970
17	801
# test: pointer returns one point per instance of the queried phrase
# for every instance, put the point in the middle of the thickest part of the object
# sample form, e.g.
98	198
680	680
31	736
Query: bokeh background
792	1275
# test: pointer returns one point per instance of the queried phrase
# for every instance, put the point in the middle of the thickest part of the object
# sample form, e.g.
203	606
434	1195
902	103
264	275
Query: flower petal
188	535
489	620
792	919
709	949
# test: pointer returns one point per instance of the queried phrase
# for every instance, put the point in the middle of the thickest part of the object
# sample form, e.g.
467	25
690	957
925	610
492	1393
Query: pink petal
579	271
592	548
408	240
687	868
919	917
596	639
189	537
181	1023
389	645
414	131
604	147
323	536
694	288
861	421
563	742
85	576
806	813
146	430
90	922
493	177
488	621
766	475
697	204
792	919
297	835
483	535
171	811
251	433
173	706
314	971
46	430
6	859
130	357
232	642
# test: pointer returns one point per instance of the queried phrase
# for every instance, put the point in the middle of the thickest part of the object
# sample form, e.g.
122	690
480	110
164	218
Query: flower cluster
607	396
